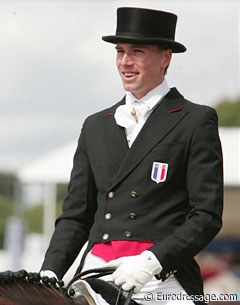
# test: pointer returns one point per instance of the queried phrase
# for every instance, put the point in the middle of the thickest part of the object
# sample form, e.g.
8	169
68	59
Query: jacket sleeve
73	226
204	181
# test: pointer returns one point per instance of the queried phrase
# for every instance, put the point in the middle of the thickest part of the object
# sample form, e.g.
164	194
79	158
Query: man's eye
138	51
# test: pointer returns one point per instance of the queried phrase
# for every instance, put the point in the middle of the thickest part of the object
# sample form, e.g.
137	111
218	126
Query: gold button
132	216
105	236
108	216
110	195
134	194
128	234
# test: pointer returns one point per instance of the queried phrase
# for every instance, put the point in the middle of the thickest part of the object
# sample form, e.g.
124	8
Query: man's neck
155	94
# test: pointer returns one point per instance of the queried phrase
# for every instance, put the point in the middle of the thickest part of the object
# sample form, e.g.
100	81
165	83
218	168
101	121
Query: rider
146	187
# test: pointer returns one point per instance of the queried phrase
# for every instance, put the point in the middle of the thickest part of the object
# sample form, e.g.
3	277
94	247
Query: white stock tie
129	115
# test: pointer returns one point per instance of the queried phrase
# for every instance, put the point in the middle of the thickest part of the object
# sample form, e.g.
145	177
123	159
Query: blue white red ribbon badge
159	172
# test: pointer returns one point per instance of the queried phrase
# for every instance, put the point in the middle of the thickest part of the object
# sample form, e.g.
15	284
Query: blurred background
56	70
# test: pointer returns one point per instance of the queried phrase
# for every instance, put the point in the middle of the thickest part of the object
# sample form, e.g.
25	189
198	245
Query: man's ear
167	56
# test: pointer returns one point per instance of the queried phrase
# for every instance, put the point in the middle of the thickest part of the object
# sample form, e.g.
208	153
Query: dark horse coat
181	213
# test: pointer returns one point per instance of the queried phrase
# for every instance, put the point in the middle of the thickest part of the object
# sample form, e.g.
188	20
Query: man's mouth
130	75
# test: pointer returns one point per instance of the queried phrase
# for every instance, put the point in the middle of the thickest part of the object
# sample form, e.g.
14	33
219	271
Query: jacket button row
105	236
132	216
128	234
110	195
134	194
108	216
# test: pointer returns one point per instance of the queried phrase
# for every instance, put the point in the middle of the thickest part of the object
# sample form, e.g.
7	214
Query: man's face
141	67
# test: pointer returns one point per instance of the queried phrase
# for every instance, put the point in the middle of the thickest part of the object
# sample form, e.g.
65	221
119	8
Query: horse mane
23	288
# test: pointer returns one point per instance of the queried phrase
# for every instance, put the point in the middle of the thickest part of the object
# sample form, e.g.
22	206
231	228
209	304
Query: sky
55	70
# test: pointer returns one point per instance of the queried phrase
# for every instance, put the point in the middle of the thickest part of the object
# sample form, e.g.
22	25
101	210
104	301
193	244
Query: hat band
142	35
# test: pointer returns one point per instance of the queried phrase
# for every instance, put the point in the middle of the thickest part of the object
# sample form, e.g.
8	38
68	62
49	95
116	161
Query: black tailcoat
180	215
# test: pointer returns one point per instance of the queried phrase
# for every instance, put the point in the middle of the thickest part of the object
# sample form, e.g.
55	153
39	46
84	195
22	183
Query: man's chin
133	90
129	88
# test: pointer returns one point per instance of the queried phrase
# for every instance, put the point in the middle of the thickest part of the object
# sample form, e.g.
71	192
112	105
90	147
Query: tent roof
56	166
53	167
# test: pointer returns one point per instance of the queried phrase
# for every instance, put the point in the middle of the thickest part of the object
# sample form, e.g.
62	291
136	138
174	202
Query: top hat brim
175	46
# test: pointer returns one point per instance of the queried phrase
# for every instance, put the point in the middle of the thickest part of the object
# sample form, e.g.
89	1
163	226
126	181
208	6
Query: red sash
118	248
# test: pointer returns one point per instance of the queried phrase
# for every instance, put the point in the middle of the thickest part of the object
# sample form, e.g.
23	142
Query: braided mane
23	288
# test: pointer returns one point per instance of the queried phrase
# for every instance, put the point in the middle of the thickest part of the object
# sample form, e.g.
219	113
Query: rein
92	275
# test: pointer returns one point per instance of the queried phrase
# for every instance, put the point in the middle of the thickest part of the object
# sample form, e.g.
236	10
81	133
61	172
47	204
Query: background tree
33	215
7	184
229	112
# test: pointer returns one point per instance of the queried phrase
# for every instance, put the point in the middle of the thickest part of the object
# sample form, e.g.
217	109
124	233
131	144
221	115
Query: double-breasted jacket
114	194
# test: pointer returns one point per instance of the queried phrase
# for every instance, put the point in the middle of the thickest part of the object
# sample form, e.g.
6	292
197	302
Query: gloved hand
135	271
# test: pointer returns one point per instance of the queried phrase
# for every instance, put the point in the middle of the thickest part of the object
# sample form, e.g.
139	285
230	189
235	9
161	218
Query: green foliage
59	208
6	210
7	182
229	112
33	215
61	191
34	218
61	194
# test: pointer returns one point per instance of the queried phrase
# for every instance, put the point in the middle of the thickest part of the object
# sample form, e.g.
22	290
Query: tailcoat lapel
114	135
164	118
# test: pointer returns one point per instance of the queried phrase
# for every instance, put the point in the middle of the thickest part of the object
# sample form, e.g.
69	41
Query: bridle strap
128	298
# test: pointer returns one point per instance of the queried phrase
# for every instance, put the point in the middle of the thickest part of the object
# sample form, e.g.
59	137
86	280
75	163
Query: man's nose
126	59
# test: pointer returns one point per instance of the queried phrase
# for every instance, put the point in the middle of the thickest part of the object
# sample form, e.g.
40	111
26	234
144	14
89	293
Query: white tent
53	167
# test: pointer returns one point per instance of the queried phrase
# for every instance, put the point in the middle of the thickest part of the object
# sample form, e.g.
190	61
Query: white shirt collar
151	98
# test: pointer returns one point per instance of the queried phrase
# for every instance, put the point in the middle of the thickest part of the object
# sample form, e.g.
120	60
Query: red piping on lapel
176	109
109	114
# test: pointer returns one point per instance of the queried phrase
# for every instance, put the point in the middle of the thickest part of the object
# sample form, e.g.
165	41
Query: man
146	187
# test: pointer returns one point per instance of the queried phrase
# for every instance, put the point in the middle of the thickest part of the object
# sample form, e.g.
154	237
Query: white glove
135	271
48	273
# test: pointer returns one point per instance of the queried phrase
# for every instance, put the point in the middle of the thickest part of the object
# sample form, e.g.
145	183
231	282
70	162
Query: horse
29	288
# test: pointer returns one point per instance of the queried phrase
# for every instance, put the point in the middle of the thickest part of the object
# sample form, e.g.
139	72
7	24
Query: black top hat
145	26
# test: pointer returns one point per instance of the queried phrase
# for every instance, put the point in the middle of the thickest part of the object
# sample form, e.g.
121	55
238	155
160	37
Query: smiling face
141	67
